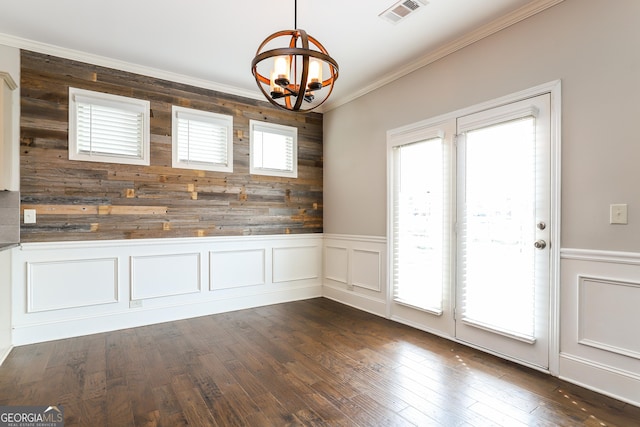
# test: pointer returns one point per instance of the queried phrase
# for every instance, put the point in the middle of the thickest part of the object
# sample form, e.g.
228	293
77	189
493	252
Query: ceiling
211	43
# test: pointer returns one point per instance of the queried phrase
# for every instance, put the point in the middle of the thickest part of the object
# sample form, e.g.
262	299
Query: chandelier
291	77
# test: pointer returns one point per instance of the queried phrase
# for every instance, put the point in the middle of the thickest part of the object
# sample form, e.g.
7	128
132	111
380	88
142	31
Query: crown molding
493	27
103	61
8	80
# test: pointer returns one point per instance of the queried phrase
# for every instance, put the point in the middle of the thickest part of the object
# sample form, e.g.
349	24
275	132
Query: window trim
114	101
289	131
203	117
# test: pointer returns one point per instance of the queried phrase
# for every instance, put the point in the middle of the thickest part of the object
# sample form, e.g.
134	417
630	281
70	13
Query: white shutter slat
419	231
202	139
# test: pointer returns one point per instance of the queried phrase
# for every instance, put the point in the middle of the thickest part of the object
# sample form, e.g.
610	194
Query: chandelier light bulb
315	74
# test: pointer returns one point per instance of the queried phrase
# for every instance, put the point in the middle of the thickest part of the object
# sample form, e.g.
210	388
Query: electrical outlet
136	303
618	214
29	216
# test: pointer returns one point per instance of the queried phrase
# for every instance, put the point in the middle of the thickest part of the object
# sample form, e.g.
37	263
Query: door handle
540	244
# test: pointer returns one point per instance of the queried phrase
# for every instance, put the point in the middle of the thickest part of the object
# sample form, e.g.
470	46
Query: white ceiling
212	42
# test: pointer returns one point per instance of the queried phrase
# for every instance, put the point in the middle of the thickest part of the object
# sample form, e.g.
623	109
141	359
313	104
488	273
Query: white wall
592	47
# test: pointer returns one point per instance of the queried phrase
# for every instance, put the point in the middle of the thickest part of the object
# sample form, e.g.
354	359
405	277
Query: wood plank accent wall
99	201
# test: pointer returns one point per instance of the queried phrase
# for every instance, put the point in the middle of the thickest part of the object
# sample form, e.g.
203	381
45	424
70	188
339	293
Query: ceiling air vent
402	9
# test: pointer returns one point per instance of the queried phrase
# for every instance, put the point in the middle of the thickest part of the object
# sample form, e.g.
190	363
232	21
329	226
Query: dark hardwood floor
311	362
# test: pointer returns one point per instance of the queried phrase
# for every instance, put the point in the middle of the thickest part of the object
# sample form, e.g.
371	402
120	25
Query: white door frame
554	89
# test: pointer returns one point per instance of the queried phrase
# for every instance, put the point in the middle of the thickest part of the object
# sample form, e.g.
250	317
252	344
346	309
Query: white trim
612	257
5	354
604	379
11	84
263	273
30	285
356	238
276	275
352	299
135	263
342	249
161	242
364	285
581	315
485	31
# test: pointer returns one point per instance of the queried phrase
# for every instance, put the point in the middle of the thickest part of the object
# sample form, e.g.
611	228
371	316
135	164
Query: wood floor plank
304	363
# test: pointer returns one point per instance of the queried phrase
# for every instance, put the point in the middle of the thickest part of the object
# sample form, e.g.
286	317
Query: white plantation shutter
202	140
108	128
496	259
273	149
421	224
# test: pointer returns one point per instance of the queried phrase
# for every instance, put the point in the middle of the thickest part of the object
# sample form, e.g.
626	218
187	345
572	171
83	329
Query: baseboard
607	380
4	353
68	328
355	300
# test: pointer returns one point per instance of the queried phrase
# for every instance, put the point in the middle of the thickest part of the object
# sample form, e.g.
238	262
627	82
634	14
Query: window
421	223
274	150
202	140
108	128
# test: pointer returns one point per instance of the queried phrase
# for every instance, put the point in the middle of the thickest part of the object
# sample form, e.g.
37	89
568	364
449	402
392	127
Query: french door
504	222
471	227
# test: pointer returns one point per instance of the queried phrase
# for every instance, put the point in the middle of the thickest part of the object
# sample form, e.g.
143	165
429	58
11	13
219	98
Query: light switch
618	214
29	216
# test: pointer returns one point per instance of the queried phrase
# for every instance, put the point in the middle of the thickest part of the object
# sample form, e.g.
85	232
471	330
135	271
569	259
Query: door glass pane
498	227
419	225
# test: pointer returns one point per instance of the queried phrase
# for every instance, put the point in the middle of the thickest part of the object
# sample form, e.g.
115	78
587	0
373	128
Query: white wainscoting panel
336	264
72	283
599	319
236	268
168	275
355	271
295	263
366	268
67	289
609	315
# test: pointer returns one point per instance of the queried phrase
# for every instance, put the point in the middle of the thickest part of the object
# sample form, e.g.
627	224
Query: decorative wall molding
600	293
294	263
366	269
612	257
166	275
354	271
51	285
608	315
236	268
163	277
336	263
